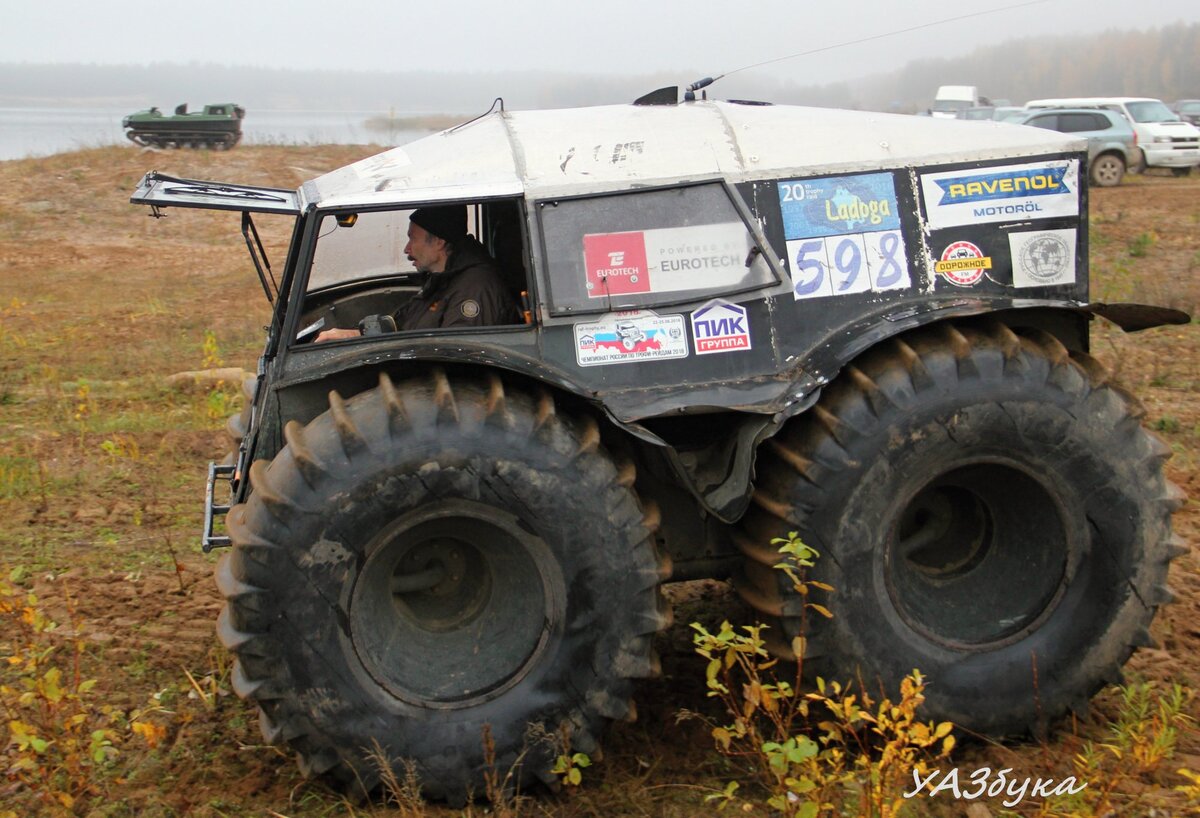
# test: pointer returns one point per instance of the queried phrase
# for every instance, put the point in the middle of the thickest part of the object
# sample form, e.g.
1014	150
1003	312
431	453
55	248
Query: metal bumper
224	474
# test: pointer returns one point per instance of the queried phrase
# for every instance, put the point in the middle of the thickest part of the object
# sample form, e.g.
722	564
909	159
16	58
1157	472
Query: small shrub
1140	246
57	738
818	752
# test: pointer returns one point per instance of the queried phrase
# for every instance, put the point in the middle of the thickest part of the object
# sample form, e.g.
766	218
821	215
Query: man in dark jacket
464	287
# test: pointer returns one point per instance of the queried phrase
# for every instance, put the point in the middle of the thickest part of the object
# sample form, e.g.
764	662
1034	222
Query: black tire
1108	170
531	580
1181	172
239	422
988	510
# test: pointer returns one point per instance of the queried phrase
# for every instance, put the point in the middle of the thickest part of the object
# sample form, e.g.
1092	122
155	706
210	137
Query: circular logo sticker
1045	258
470	308
962	264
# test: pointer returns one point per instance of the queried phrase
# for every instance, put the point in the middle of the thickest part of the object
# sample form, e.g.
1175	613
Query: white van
950	99
1164	139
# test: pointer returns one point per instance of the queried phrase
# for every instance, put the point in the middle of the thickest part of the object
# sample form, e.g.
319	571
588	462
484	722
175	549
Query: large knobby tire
431	558
1108	170
238	423
989	511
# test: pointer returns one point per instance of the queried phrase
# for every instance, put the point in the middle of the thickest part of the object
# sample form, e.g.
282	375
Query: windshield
941	105
370	246
1190	107
1150	111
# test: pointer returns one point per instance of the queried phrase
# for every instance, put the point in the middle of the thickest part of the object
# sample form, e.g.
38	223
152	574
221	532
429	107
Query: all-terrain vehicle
217	126
743	320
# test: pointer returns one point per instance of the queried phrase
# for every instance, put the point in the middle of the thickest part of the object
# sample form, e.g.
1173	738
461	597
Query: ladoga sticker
1036	190
843	235
719	326
1043	259
624	337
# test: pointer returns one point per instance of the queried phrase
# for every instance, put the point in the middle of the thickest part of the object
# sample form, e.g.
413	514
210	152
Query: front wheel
1108	170
988	510
431	559
1179	172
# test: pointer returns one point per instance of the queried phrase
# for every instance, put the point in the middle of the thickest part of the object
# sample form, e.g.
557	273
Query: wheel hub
453	604
978	556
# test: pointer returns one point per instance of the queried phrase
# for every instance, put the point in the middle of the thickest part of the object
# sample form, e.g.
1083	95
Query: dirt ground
101	486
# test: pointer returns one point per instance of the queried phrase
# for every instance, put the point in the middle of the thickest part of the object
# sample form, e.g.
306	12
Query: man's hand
337	335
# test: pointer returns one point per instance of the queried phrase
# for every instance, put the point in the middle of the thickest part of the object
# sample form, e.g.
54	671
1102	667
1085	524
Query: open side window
649	248
359	269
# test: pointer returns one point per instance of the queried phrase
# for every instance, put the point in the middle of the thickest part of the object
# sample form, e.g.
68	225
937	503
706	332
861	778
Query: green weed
865	750
57	737
1140	246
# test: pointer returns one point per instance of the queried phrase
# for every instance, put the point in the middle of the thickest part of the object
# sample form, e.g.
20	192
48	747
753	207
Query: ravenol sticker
625	337
838	205
962	264
1036	190
1043	259
719	326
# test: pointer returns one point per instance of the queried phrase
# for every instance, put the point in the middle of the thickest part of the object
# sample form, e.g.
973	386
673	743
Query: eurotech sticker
1035	190
962	264
720	326
1043	259
665	260
626	337
843	235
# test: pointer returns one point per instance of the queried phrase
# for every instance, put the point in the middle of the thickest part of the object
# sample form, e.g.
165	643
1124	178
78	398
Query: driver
464	287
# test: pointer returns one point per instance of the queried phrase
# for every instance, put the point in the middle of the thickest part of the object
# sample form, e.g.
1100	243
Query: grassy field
101	483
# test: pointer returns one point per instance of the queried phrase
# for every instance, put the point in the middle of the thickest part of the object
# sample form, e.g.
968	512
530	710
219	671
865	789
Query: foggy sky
615	37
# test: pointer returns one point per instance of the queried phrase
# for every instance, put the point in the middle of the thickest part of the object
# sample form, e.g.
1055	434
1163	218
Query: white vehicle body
950	99
1164	139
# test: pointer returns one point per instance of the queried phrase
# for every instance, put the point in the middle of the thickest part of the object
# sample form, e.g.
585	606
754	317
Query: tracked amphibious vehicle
217	126
741	320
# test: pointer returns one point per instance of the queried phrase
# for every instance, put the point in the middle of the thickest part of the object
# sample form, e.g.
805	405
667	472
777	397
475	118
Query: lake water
26	132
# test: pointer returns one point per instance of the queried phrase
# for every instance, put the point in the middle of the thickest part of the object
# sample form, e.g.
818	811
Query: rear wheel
1181	171
430	558
988	510
1108	170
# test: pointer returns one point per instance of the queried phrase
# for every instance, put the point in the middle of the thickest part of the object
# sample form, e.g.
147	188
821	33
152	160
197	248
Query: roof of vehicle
1076	102
585	150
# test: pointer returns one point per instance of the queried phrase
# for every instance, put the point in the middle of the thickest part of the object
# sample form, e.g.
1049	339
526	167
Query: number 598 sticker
854	263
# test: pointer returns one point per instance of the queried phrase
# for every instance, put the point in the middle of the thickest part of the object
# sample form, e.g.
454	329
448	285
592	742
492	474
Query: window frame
753	229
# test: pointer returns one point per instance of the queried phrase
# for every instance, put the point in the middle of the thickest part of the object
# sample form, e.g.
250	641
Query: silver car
1112	146
1188	110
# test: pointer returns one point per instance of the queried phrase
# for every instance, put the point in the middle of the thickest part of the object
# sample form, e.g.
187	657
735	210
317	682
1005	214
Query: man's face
426	251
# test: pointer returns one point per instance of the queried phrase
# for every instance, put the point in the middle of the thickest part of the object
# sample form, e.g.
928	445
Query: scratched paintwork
581	150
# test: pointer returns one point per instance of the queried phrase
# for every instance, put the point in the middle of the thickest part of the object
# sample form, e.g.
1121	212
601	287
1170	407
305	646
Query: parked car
1188	110
1165	141
1112	143
1007	113
981	113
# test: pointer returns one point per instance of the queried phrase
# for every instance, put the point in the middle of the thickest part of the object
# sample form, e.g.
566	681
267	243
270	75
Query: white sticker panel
626	337
666	260
720	326
847	264
1007	193
1043	259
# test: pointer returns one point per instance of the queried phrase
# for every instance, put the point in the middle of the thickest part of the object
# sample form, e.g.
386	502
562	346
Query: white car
1165	140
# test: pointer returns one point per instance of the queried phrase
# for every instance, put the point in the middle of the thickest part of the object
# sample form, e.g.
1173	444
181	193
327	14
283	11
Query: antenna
690	94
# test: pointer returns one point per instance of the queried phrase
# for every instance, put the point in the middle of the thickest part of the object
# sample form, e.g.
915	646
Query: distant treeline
1162	62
